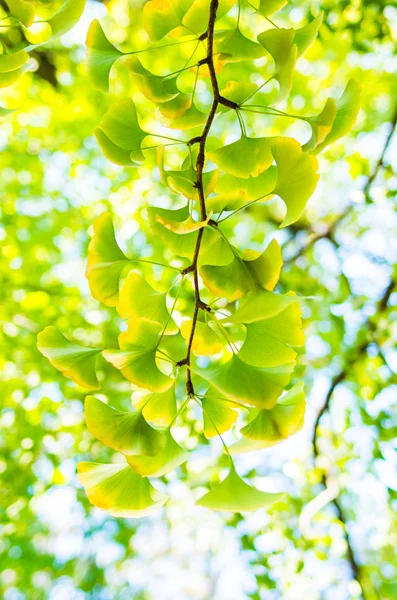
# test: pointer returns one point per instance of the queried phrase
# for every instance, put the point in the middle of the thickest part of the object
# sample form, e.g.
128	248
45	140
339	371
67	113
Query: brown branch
357	352
202	140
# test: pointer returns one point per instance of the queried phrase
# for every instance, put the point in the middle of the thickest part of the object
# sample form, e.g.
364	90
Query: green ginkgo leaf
126	432
136	358
182	245
242	275
268	342
120	135
137	299
347	109
184	181
248	385
106	262
162	16
285	419
297	176
175	108
237	91
67	17
170	457
23	11
196	18
118	490
154	87
234	192
205	342
218	414
267	8
244	158
101	56
280	45
12	62
321	125
306	35
191	117
234	495
233	46
160	408
76	362
259	305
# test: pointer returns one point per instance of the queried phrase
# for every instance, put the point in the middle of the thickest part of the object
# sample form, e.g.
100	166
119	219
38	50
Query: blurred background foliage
332	545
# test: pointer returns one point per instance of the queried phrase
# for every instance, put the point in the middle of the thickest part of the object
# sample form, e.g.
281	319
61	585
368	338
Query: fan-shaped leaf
119	490
347	108
73	361
321	125
234	192
105	262
196	18
136	358
175	108
160	408
120	135
184	181
205	342
297	176
306	35
234	46
101	55
171	456
259	305
162	16
280	45
244	158
191	117
253	386
154	87
67	17
218	414
234	495
268	7
126	432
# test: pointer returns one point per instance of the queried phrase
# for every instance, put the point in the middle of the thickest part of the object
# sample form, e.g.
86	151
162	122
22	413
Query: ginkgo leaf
162	16
137	299
154	87
10	77
285	419
218	414
12	62
234	495
244	158
184	180
234	192
120	135
297	176
175	108
76	362
259	305
267	8
23	11
280	45
306	35
321	125
136	358
170	457
205	342
160	408
184	227
126	432
242	275
67	17
245	384
233	46
191	117
105	262
347	109
237	91
196	18
101	55
118	490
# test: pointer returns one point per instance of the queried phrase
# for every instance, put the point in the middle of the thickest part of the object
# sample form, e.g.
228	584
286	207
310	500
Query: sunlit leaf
259	305
306	35
105	262
285	419
205	342
175	108
184	181
160	408
218	414
280	45
245	384
265	268
136	358
23	11
101	55
170	457
118	490
196	18
244	158
126	432
191	117
12	62
120	135
237	91
154	87
347	108
162	16
76	362
321	125
234	192
234	46
234	495
137	299
67	17
268	7
297	176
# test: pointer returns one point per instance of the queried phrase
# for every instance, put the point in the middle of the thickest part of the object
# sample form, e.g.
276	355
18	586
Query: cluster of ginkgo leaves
28	25
229	347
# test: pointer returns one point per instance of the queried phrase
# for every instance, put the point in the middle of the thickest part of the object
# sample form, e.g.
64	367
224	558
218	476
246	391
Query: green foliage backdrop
331	536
